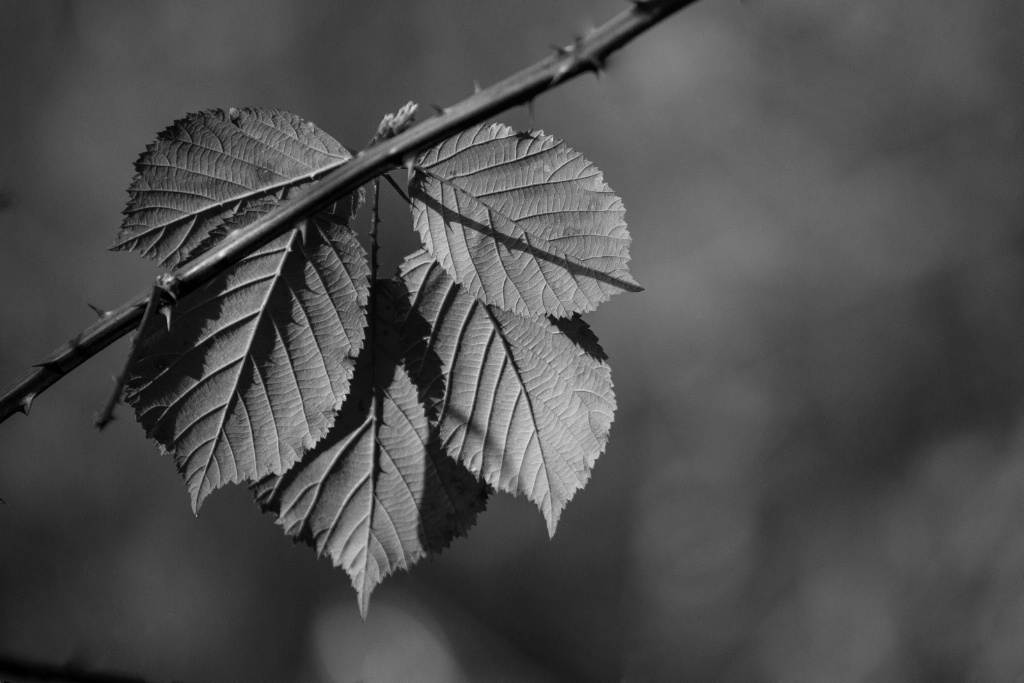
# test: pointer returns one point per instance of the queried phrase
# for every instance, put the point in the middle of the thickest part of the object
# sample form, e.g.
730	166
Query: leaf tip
364	603
197	496
552	521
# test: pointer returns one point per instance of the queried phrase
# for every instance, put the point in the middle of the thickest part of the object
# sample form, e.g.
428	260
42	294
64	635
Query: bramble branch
588	53
25	670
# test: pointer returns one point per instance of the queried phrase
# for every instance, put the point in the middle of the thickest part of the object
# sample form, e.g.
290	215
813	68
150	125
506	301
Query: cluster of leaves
372	416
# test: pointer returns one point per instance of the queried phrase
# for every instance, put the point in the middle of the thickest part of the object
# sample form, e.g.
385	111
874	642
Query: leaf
522	221
526	404
258	361
377	494
209	167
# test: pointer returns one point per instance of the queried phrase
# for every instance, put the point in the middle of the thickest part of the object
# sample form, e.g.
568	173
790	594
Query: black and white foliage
374	416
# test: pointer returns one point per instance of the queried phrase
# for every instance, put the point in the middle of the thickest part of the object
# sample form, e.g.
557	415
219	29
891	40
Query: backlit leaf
522	221
258	361
377	494
524	403
211	166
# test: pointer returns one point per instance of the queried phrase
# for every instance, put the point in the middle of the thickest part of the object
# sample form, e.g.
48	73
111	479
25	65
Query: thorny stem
376	400
25	670
586	54
374	223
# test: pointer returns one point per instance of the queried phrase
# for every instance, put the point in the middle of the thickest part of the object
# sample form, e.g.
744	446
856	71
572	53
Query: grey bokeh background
817	467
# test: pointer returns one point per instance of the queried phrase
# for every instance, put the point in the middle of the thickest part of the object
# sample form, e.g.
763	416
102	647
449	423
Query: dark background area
816	471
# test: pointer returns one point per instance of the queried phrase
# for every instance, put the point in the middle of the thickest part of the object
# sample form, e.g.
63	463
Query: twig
587	54
374	223
25	670
376	415
107	414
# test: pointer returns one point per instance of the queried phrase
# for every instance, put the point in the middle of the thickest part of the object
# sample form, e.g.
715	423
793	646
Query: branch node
169	284
393	124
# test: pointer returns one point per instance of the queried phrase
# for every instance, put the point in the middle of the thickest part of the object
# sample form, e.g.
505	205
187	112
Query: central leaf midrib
517	373
247	354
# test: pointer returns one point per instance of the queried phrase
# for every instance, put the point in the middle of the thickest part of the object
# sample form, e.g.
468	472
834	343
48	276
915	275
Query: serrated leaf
258	361
209	167
522	221
377	494
524	403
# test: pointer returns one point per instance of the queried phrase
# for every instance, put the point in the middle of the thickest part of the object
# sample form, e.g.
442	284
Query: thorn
562	51
165	311
437	108
25	405
476	86
303	229
596	64
530	111
559	75
50	365
97	310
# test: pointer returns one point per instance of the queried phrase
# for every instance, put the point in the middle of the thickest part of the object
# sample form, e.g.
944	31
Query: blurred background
816	471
